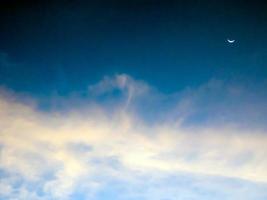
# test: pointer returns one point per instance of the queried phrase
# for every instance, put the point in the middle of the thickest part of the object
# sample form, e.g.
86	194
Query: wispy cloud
60	153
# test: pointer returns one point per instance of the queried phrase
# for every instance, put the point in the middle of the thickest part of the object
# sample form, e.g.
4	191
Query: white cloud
54	154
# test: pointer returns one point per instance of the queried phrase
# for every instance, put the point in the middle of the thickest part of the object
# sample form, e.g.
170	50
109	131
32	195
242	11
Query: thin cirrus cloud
189	149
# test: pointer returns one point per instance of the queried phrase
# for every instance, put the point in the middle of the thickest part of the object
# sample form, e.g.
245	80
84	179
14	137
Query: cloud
58	154
129	87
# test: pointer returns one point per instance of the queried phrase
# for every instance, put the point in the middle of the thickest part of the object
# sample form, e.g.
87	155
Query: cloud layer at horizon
129	141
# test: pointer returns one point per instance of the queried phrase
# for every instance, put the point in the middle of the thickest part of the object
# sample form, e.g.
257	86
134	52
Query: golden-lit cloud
59	151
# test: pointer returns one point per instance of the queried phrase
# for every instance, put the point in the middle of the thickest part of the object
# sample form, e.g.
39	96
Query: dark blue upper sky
64	46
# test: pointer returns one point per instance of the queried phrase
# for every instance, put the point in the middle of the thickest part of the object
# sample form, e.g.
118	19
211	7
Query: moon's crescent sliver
230	41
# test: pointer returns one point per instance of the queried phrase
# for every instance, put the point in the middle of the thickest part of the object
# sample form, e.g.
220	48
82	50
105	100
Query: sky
133	100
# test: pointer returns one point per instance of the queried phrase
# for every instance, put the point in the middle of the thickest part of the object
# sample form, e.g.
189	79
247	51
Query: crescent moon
230	41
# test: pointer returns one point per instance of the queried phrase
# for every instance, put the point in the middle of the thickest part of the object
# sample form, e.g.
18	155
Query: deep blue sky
64	46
